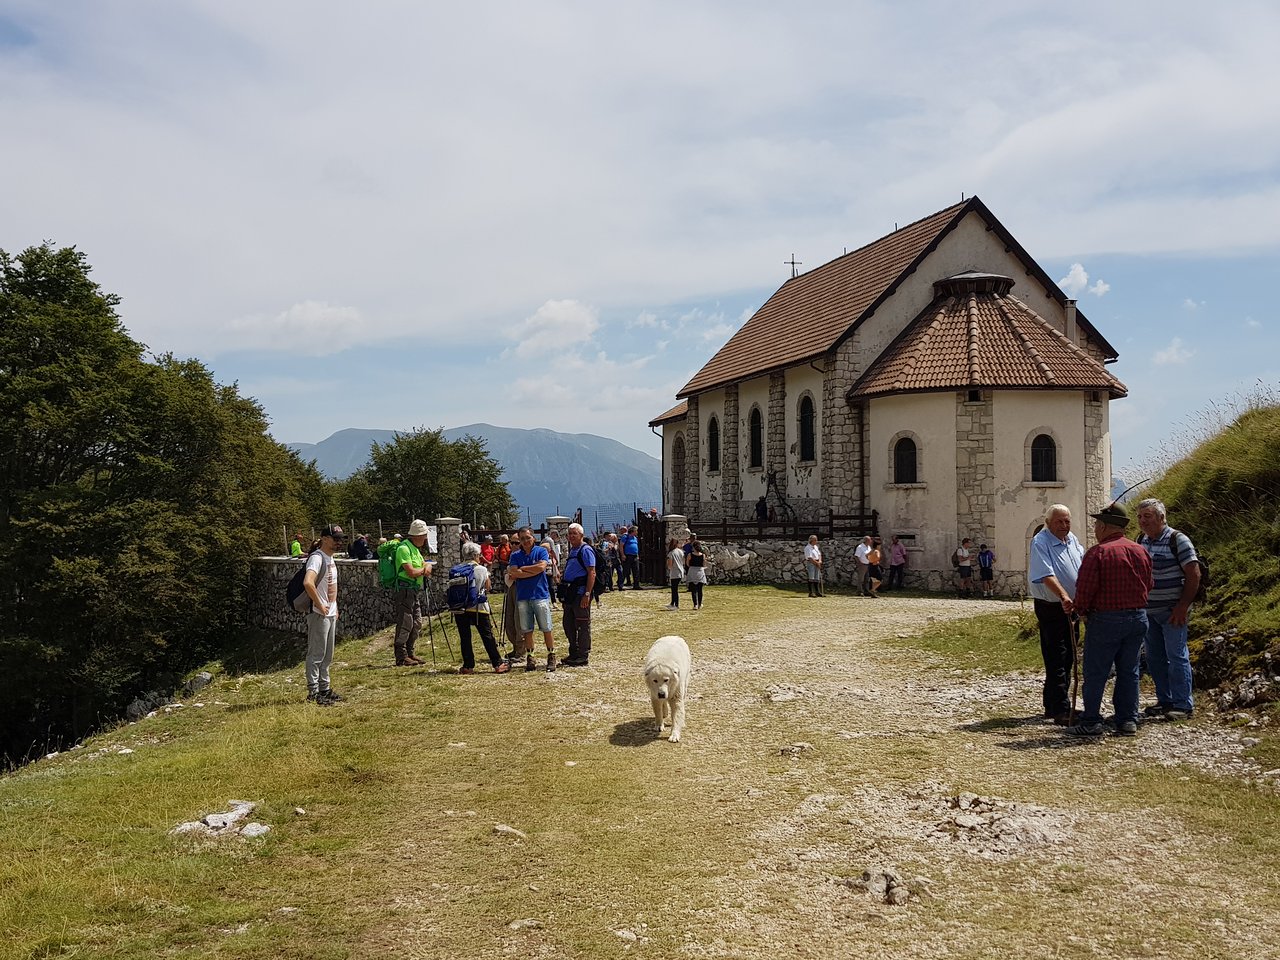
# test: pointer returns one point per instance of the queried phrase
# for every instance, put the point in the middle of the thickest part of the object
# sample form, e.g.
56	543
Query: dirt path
818	753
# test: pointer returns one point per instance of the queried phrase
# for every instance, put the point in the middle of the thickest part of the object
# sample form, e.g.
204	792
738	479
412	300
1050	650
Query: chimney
1070	330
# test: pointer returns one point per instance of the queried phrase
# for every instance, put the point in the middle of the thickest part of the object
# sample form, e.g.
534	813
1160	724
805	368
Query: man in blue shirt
629	544
578	581
1051	577
528	570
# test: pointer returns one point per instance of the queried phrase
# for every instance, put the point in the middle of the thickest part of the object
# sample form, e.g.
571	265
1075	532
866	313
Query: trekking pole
1075	663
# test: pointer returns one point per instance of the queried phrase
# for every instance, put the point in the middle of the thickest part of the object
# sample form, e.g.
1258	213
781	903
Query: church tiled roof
811	313
678	412
975	334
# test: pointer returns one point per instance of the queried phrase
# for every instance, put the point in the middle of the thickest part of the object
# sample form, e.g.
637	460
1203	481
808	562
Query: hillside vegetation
1225	494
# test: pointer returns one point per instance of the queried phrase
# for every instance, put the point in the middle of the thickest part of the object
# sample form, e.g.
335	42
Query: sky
403	214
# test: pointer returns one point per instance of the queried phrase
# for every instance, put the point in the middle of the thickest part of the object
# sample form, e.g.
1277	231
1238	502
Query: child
696	573
986	573
675	571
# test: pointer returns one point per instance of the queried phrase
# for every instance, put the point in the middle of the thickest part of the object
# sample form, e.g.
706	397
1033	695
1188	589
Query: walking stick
1075	664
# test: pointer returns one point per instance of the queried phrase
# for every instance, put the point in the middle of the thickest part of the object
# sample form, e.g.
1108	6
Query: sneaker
318	700
1127	728
551	661
467	670
573	662
1086	730
333	696
1156	711
503	667
530	664
1177	715
673	606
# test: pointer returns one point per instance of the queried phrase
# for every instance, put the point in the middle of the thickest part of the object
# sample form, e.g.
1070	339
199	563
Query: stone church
937	376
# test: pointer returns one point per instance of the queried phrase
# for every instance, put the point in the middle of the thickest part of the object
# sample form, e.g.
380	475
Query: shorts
964	573
986	573
534	613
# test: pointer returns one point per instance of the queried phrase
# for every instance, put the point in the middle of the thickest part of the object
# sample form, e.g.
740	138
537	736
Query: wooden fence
836	525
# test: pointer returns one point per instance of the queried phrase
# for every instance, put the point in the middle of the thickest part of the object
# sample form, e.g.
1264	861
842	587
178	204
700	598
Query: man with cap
411	574
1051	579
1176	570
487	550
1111	594
321	584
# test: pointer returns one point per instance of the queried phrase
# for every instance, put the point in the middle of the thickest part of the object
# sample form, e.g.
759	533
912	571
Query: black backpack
295	594
1201	562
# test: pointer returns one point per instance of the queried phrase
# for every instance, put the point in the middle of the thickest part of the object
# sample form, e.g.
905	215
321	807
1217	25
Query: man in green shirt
295	548
411	573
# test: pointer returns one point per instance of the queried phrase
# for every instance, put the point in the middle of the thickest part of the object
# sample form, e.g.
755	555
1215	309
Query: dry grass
733	843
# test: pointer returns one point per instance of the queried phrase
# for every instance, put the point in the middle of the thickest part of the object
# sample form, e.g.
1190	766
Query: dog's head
661	679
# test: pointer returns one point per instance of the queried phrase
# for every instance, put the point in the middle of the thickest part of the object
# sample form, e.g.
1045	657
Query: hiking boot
1086	730
573	662
502	667
551	661
530	664
413	661
333	696
467	670
1127	728
1061	719
1174	716
318	700
1156	711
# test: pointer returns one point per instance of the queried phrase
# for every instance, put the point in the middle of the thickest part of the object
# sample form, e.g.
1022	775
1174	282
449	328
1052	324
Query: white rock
571	763
254	829
528	923
625	935
124	750
503	830
299	811
289	910
188	827
969	821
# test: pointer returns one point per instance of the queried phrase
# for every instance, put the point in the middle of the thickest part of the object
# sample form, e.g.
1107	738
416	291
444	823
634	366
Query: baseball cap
333	531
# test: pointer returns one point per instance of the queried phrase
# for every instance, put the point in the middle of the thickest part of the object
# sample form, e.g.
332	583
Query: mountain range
545	471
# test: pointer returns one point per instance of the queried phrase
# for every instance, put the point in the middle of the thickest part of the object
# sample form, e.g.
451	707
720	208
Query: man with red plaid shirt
1111	594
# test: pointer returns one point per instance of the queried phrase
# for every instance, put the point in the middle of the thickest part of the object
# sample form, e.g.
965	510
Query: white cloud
311	328
644	319
1076	282
1252	324
1174	353
554	327
1191	306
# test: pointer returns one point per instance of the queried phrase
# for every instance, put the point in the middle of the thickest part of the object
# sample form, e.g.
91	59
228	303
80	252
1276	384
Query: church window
713	445
757	438
904	461
1044	459
808	445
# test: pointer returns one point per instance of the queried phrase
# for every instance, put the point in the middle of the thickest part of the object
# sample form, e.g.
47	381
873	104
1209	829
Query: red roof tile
678	412
976	334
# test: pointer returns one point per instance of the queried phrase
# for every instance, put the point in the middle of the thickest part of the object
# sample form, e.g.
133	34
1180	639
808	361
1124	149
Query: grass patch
992	643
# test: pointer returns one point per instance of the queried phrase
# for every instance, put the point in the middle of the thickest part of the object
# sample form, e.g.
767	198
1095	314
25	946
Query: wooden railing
836	525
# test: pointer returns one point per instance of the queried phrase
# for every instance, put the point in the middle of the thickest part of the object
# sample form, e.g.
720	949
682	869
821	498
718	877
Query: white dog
667	667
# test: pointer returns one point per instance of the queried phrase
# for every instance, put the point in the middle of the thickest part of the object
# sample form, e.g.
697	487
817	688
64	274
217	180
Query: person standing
321	584
860	558
875	571
1111	595
528	570
360	549
696	573
964	566
411	574
605	554
675	571
580	572
1176	572
487	550
986	572
897	563
551	544
813	565
478	616
630	544
1051	580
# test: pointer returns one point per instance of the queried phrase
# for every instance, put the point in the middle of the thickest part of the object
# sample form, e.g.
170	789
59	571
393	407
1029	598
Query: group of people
686	564
963	559
1133	596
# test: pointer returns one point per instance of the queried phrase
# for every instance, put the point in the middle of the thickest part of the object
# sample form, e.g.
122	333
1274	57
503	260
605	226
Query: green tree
421	474
133	493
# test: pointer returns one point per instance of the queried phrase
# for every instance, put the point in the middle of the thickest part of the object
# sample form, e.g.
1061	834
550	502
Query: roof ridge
883	237
910	360
1030	348
971	338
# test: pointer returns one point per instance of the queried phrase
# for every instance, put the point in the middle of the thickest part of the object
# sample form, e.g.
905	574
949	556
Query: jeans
484	626
577	629
631	571
1113	637
896	573
1168	660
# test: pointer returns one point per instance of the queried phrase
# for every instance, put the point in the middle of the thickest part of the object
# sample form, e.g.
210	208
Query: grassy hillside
1226	495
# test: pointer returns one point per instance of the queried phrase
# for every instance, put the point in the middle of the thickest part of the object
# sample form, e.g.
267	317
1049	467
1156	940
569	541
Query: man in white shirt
1051	577
322	621
813	566
864	565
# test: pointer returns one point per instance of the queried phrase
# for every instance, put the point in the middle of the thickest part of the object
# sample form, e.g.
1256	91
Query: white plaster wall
929	512
970	246
803	481
710	404
1020	506
752	393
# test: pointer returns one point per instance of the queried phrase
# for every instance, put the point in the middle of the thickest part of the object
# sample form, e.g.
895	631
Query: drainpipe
1071	321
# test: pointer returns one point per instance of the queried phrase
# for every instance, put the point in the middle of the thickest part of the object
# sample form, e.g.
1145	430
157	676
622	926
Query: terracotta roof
811	313
976	334
678	412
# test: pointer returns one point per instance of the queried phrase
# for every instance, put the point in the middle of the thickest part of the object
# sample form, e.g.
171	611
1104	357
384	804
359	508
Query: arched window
807	442
757	438
713	445
904	461
1044	459
677	475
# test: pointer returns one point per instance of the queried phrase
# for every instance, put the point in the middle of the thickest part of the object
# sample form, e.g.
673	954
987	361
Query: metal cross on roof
794	263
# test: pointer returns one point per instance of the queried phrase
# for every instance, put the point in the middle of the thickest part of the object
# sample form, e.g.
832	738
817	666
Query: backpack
387	563
295	594
1203	564
461	592
955	559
